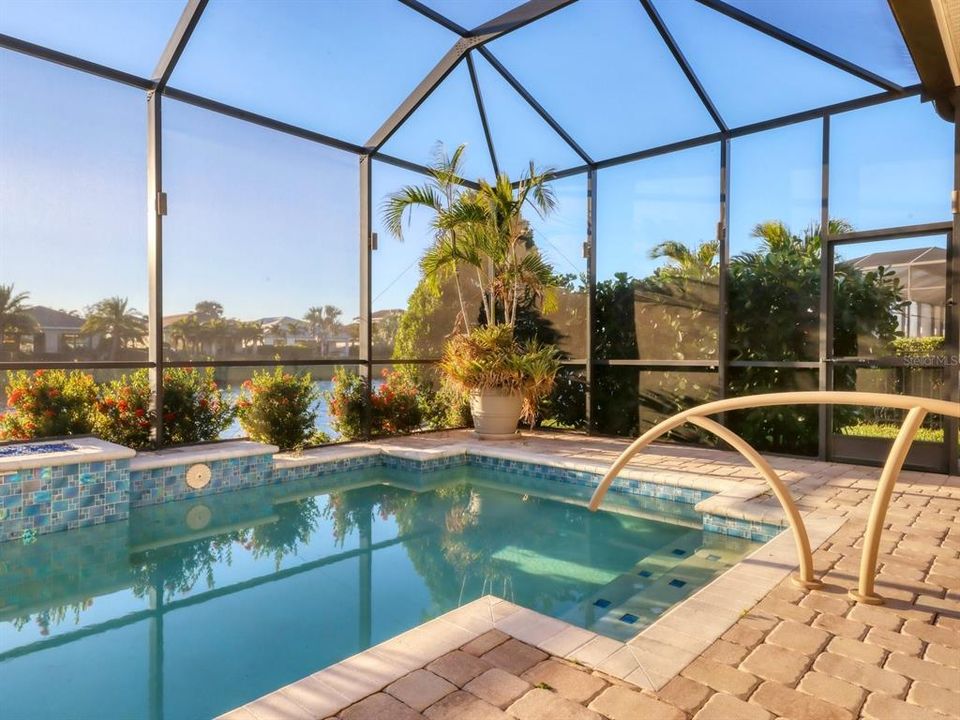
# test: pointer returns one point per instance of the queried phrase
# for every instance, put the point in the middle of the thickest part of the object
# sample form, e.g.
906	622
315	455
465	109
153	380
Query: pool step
628	584
632	600
627	618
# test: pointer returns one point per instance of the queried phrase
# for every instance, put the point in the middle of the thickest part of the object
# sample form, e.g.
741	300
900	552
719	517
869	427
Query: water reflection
273	583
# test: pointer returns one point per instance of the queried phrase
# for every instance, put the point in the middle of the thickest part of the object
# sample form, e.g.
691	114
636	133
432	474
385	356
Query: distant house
183	332
58	333
281	331
344	342
379	316
288	331
923	280
383	328
171	336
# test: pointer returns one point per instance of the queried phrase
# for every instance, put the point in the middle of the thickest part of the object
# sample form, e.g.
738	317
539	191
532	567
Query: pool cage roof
573	84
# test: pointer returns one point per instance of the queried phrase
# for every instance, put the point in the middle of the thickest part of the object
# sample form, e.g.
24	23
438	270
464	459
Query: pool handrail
917	407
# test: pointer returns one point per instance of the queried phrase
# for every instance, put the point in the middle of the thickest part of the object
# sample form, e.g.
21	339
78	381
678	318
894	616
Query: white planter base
505	436
495	415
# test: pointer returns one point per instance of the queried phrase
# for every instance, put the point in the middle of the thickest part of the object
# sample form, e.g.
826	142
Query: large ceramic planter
495	414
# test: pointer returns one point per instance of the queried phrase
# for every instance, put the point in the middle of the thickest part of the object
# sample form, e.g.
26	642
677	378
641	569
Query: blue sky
267	223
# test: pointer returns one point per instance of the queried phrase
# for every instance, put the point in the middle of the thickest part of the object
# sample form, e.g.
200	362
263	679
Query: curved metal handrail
917	408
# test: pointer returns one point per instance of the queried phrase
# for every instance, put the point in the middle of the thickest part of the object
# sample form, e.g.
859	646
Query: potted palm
484	243
505	379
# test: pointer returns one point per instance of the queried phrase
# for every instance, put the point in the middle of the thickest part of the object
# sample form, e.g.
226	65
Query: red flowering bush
393	405
279	408
122	413
347	403
195	409
47	403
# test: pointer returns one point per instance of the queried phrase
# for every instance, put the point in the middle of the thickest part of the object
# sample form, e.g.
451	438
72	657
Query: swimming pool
192	608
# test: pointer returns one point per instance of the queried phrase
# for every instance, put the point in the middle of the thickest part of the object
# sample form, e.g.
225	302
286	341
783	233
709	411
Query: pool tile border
39	500
167	483
724	504
151	478
85	450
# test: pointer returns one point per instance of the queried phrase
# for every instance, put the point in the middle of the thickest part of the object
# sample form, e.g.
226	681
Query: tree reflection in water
470	534
178	568
295	523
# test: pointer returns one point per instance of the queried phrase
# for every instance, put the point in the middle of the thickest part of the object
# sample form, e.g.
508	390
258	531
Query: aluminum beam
366	285
491	30
178	42
800	44
155	210
684	65
538	108
825	377
73	62
440	19
591	247
483	114
516	18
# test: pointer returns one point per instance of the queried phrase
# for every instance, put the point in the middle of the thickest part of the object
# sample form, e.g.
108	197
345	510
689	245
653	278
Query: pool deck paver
788	653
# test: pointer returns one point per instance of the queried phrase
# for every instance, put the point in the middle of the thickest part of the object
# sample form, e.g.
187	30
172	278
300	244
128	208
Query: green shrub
917	346
443	407
565	406
889	431
348	403
47	403
195	409
393	405
279	408
122	412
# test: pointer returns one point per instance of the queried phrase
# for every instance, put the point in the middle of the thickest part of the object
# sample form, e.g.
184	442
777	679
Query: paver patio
796	654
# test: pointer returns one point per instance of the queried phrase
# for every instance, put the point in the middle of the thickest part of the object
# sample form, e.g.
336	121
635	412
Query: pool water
190	609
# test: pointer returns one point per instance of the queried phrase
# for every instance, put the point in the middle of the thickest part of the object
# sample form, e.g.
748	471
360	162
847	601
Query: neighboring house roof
379	315
922	271
901	257
169	320
50	319
285	322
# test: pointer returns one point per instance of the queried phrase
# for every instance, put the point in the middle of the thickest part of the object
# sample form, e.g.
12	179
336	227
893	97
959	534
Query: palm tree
699	263
331	324
250	334
438	195
113	318
496	240
314	319
775	236
185	332
13	312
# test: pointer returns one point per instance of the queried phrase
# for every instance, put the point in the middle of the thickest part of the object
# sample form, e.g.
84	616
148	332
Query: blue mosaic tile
55	498
601	603
645	573
678	552
21	450
677	583
629	618
101	491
